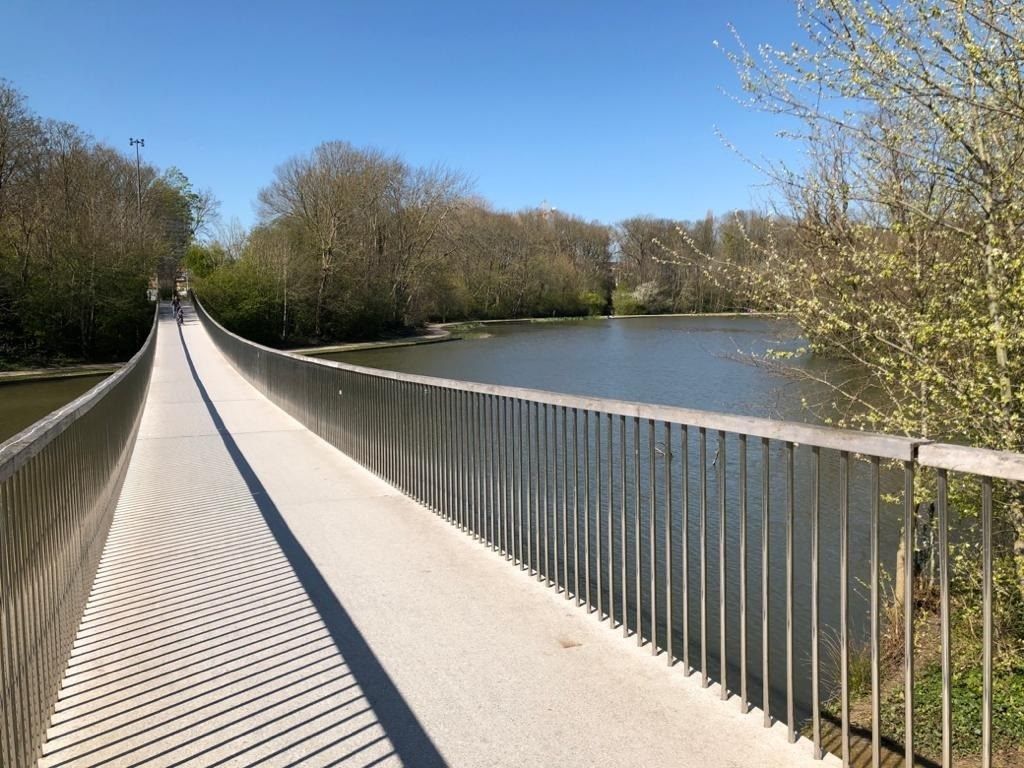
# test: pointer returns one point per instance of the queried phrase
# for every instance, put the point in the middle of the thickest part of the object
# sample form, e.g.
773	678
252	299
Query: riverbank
61	372
27	396
455	330
434	334
470	324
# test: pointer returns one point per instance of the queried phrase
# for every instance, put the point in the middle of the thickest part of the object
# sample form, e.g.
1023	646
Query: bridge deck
263	600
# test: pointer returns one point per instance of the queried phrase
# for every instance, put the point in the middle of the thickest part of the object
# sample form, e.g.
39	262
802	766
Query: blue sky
602	109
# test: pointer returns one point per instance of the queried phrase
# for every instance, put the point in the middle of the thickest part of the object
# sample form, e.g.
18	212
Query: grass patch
966	691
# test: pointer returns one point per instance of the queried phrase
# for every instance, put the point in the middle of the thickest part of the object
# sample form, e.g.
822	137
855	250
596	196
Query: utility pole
138	170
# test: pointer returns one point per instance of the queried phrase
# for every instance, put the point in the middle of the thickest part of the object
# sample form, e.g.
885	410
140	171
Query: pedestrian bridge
226	556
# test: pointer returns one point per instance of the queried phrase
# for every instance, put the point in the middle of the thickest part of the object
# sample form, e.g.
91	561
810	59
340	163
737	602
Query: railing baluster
459	457
480	473
565	503
492	436
636	532
765	582
527	442
684	452
669	646
624	608
723	663
652	506
546	506
742	460
611	528
380	437
477	450
704	678
556	549
597	518
876	607
815	544
470	458
506	485
844	601
586	507
790	514
521	502
453	456
986	621
487	460
576	504
396	423
537	494
942	513
469	509
416	403
908	614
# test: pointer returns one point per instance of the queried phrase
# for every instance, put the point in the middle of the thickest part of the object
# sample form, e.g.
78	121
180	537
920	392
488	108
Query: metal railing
762	569
59	483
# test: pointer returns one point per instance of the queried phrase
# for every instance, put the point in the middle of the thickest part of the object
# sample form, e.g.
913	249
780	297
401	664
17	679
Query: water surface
23	403
708	363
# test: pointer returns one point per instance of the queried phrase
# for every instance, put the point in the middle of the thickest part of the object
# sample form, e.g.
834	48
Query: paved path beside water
263	600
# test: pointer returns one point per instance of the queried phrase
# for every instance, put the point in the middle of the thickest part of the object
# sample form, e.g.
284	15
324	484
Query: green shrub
624	303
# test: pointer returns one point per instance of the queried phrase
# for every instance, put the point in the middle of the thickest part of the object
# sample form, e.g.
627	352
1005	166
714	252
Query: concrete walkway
263	600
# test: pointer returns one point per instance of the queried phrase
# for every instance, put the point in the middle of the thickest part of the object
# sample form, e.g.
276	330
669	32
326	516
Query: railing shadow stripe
161	591
197	677
159	625
206	655
140	663
237	626
127	614
189	701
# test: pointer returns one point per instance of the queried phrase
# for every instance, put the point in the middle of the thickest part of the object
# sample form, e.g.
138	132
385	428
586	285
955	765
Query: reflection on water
25	402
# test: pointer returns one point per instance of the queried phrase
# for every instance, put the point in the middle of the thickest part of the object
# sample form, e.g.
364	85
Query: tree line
77	251
352	242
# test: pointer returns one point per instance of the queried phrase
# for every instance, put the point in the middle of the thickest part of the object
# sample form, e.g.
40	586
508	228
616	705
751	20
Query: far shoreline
451	331
58	372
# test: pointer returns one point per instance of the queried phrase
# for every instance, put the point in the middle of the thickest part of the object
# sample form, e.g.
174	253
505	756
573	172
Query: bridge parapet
59	483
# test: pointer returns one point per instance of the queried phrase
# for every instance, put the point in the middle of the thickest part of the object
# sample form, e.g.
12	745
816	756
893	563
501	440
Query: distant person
175	305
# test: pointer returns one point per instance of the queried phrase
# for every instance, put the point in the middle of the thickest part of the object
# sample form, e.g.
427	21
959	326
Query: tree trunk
319	301
284	303
1010	438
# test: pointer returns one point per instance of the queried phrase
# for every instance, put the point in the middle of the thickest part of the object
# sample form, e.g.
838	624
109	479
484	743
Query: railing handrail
1004	465
852	441
21	447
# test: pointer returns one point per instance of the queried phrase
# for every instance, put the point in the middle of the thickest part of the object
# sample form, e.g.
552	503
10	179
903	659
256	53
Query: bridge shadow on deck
407	736
212	639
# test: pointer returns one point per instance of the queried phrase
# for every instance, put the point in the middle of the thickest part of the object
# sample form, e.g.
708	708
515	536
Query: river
24	402
696	362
